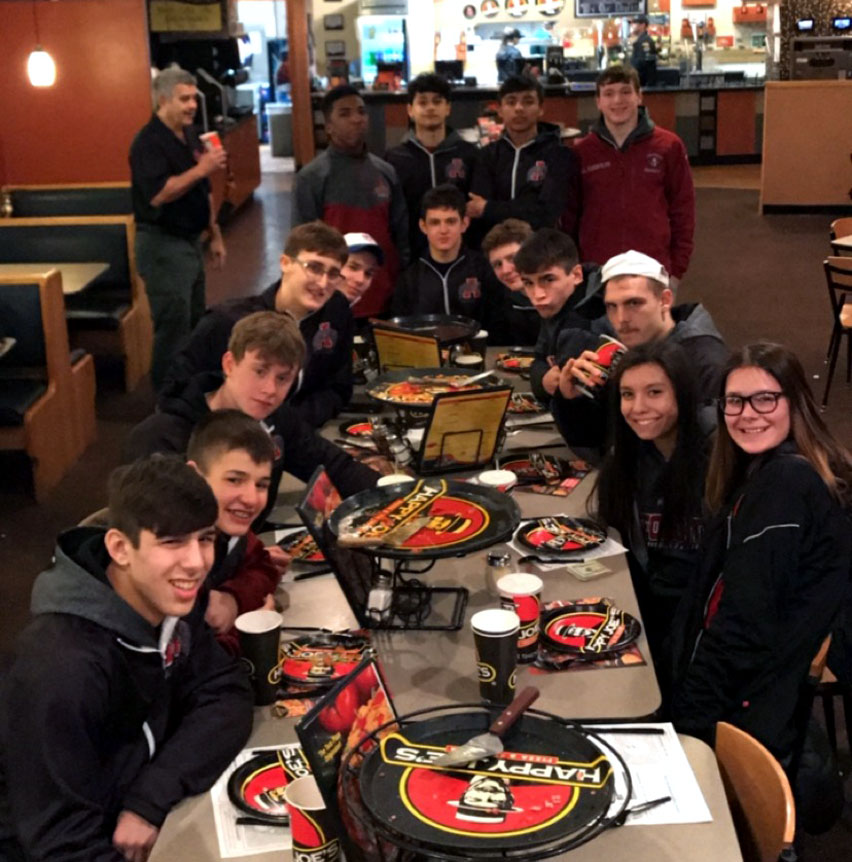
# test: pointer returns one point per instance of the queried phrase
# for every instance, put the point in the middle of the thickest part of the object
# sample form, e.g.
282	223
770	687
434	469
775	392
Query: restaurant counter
718	122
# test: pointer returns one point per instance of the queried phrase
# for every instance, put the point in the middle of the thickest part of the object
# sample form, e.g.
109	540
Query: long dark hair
815	443
683	480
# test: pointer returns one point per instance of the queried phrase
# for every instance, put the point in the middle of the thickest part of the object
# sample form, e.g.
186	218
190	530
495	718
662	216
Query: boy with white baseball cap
365	259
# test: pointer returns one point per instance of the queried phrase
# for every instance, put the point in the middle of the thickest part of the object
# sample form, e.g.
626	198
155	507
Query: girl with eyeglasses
775	560
651	483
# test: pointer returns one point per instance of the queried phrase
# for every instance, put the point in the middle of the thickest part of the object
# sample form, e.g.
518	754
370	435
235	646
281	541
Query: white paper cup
502	480
311	823
472	361
521	592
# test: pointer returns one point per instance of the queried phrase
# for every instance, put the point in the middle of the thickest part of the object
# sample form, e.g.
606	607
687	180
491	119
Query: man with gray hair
170	167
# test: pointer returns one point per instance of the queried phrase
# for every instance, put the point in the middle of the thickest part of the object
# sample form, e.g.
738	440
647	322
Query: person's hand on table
550	379
583	369
475	205
221	612
280	558
134	837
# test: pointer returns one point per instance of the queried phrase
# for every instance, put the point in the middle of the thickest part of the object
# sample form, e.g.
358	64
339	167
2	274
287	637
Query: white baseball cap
364	242
634	263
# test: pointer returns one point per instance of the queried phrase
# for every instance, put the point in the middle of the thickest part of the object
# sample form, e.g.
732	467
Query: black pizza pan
589	629
404	375
292	540
499	513
484	811
586	533
447	328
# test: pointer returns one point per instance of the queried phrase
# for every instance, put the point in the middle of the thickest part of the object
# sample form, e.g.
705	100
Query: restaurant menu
658	768
398	349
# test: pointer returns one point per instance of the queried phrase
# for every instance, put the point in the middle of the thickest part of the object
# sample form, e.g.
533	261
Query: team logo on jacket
470	289
653	162
456	170
325	337
537	172
382	190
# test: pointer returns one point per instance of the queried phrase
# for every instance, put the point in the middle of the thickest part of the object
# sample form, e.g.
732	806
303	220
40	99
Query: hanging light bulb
41	69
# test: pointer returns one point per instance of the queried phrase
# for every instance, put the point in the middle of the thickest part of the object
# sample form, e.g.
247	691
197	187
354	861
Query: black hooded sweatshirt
300	448
102	712
325	383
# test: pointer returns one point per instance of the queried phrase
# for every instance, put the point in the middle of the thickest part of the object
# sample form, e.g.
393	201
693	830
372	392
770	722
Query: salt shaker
496	565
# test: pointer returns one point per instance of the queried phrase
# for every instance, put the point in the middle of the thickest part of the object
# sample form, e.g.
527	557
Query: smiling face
307	282
756	432
162	576
179	109
429	111
551	288
444	228
502	260
649	405
619	103
638	313
255	384
520	113
358	273
241	488
346	125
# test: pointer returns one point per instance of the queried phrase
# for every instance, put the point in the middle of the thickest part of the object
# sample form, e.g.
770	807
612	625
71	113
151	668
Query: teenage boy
639	310
262	361
235	454
500	246
637	186
526	174
432	154
115	709
353	190
311	272
563	295
448	278
364	261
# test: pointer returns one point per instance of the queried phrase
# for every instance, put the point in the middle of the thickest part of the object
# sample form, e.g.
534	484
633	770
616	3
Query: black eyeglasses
761	402
316	269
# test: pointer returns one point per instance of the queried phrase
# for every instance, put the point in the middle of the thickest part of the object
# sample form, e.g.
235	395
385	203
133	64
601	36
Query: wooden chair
838	275
47	403
840	227
758	792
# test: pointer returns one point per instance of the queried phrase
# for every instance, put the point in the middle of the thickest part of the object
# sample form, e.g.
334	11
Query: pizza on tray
421	391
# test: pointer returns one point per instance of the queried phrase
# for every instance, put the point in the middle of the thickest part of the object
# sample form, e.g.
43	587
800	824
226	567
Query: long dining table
432	668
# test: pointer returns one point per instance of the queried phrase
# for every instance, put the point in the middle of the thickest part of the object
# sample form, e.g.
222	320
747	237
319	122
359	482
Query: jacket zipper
444	280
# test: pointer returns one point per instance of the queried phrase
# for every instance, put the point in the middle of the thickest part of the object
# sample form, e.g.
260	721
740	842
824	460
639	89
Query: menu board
463	429
399	349
609	8
169	16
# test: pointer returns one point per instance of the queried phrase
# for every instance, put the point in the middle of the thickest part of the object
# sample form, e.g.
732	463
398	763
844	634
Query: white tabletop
843	242
75	276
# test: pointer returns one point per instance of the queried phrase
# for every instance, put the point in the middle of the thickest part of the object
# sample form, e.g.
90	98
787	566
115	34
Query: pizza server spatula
490	744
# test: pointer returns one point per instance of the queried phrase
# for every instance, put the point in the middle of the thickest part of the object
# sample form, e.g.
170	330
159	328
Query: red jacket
639	197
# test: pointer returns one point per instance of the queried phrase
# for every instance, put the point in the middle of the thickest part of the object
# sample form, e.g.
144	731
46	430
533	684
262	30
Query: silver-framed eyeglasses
761	402
317	270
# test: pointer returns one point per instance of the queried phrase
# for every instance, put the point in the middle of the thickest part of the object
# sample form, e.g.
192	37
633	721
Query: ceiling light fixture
41	69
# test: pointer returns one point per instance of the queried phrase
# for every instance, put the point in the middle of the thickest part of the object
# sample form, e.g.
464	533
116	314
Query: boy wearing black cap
114	709
432	154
